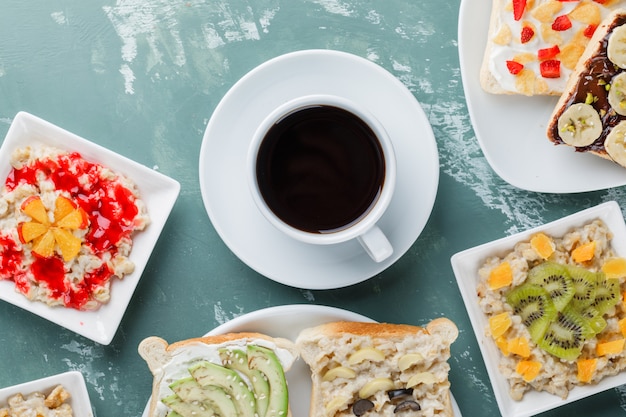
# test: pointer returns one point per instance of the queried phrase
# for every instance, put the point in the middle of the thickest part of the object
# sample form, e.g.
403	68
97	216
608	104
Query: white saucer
229	203
287	321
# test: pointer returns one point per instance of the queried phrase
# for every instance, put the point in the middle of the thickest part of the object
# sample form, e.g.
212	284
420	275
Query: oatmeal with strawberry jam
66	227
556	311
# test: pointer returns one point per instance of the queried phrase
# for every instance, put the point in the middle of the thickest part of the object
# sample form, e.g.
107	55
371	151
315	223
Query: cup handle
376	244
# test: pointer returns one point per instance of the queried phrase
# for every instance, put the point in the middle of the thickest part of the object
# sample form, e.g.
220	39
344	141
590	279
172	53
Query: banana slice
617	94
615	143
580	125
616	48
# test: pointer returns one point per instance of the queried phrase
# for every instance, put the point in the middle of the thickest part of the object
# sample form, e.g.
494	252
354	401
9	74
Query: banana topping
339	372
366	354
617	94
580	125
616	48
615	143
374	386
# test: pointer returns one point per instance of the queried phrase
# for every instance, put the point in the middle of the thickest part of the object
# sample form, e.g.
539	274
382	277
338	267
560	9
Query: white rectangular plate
511	129
466	264
72	381
158	192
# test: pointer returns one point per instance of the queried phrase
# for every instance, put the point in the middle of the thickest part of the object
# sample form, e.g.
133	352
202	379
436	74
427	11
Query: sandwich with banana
590	115
379	369
230	375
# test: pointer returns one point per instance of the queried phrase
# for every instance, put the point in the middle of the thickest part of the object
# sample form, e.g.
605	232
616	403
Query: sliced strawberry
548	53
550	68
518	8
601	1
561	23
514	67
590	30
527	34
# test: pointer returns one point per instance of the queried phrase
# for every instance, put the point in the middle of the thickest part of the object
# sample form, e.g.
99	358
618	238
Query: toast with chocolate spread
591	113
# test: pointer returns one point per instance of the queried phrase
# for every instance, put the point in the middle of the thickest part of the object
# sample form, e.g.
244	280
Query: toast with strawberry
533	46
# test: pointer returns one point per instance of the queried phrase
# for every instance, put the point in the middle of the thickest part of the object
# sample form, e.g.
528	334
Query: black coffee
320	169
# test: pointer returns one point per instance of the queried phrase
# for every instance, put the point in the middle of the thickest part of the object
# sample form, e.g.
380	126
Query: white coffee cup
286	200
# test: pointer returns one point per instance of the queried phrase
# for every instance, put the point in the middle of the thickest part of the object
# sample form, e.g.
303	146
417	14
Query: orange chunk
62	207
500	276
614	268
584	253
622	326
44	245
33	206
586	369
528	369
69	245
610	348
503	344
543	245
76	219
519	346
499	324
28	231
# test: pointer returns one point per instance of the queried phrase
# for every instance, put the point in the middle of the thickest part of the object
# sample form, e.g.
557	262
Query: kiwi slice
607	293
585	283
566	335
534	305
555	279
594	318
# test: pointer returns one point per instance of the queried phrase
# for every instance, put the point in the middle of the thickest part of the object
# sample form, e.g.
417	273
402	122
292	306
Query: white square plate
158	192
72	381
466	265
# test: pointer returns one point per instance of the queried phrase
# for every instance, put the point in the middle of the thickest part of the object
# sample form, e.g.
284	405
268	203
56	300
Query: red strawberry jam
113	215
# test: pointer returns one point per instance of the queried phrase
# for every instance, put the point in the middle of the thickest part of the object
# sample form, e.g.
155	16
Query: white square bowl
158	192
466	264
72	381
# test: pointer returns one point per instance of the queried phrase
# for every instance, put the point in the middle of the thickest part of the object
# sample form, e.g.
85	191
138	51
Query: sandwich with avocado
230	375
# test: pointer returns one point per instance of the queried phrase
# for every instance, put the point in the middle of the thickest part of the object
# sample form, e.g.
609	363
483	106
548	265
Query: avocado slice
210	374
237	360
265	360
181	408
188	390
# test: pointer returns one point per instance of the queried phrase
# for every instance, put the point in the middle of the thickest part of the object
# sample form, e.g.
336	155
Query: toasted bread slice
589	89
176	365
533	46
378	366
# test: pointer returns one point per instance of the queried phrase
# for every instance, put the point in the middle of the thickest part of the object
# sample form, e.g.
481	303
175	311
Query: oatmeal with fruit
54	404
555	308
66	227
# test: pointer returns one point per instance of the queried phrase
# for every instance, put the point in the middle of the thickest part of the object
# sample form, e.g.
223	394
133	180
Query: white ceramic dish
72	381
158	192
228	200
511	128
287	321
466	265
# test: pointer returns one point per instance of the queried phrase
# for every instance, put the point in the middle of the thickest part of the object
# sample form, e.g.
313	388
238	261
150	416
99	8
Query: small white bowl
466	264
72	381
158	192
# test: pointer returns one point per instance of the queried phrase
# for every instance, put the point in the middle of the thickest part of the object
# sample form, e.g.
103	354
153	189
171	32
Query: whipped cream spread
536	44
181	360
